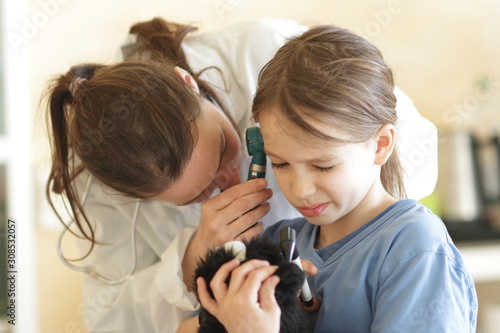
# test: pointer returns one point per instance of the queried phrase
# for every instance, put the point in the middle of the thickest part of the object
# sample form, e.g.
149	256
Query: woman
116	123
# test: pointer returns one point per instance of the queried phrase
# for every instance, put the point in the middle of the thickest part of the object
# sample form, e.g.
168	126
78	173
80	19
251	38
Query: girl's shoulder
413	215
412	226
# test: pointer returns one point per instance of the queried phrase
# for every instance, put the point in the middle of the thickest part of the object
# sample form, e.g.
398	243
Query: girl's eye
278	165
325	169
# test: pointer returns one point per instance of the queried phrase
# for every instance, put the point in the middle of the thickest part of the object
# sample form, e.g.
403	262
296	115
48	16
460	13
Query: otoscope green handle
255	148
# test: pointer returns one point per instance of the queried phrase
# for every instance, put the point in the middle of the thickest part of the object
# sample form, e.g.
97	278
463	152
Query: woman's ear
386	141
186	78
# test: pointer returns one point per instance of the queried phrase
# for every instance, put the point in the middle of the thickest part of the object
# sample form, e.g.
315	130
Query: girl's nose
302	186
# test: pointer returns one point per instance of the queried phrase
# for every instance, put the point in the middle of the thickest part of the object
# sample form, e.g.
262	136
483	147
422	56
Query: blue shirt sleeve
425	292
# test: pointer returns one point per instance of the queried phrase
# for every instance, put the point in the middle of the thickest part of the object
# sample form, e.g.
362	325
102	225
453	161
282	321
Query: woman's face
214	163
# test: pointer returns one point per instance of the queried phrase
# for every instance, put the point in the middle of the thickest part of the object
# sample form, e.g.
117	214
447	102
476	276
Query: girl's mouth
313	211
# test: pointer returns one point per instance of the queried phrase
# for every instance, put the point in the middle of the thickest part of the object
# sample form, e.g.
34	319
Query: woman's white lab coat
154	298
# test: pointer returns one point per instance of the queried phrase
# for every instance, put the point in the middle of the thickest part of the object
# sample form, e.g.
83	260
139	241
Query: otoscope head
255	145
255	148
287	234
287	243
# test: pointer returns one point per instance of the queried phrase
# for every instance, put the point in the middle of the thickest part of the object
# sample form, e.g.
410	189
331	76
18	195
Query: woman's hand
189	326
230	215
248	304
233	214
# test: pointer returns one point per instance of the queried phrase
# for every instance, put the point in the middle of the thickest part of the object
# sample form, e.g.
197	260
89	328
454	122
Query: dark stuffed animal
292	316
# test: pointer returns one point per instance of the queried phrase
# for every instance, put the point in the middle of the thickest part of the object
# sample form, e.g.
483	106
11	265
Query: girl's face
326	182
214	163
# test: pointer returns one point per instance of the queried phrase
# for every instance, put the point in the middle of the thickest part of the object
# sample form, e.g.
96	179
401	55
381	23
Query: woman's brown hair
331	74
131	125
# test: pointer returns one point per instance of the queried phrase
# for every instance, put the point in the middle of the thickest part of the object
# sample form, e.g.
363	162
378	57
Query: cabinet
482	259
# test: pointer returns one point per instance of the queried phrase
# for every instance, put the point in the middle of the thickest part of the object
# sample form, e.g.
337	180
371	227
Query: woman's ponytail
63	171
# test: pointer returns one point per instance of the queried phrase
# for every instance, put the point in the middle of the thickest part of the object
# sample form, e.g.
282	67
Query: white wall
438	48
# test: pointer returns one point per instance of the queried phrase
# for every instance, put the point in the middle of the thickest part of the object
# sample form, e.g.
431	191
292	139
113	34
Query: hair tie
75	84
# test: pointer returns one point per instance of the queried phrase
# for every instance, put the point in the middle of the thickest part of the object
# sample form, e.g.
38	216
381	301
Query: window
3	239
16	179
3	191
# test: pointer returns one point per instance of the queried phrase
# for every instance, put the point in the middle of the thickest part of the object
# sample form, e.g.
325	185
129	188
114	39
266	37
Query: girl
150	138
326	108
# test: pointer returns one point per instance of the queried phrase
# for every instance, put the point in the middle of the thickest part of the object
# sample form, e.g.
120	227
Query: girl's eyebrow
319	159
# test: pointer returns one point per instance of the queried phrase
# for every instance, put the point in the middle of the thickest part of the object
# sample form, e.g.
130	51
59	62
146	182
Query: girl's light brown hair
131	125
333	75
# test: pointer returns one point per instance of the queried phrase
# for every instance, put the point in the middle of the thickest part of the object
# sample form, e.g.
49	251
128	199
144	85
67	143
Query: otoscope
287	245
255	148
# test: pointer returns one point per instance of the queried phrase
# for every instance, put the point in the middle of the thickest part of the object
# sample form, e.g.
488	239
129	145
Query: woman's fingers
254	231
235	219
247	204
247	225
230	195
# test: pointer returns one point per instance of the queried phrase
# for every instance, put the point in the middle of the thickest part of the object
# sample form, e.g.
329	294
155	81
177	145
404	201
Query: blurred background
445	56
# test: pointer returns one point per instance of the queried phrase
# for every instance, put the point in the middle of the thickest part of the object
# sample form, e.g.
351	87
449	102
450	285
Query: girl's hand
230	215
248	304
309	269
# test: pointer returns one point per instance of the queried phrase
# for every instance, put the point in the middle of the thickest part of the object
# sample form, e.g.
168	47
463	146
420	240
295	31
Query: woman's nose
302	186
226	178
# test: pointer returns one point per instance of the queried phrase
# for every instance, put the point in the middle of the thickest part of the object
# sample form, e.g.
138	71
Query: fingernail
264	262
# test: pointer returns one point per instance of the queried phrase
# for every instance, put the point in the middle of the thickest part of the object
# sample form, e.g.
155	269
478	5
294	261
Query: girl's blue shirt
399	272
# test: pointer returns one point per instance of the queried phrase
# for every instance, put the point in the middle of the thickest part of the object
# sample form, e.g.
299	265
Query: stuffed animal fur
292	316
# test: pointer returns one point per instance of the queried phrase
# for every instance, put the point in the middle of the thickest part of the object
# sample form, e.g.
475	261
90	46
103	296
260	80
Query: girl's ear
186	78
386	141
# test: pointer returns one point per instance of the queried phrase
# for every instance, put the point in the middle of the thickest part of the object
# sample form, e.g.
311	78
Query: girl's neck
374	203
